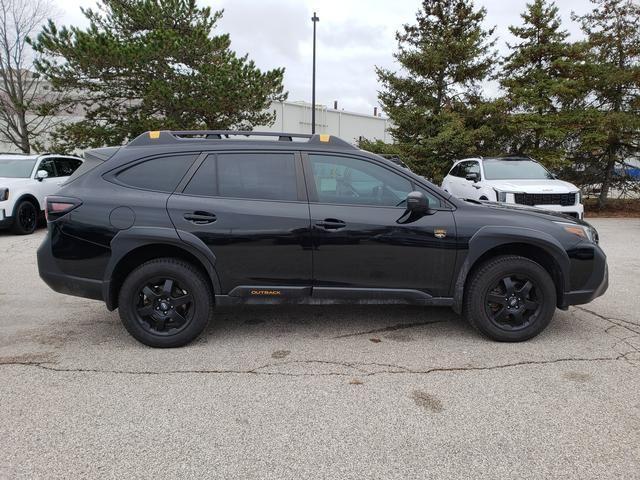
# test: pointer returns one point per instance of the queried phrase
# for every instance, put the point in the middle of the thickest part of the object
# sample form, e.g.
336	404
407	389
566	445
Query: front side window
161	174
469	167
48	166
515	169
260	176
16	168
348	180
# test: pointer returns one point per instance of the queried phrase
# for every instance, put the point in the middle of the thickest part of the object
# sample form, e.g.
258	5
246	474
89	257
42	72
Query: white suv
25	180
517	180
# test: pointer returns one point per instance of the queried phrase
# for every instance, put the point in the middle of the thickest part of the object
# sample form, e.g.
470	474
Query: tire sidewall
17	226
490	277
189	278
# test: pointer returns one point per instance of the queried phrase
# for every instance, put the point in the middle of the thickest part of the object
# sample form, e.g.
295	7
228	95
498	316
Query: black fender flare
128	240
490	237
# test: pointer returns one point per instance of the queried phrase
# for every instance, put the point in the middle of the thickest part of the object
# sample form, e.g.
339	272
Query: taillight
59	206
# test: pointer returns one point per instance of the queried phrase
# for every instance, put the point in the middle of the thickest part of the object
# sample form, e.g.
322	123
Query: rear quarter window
160	174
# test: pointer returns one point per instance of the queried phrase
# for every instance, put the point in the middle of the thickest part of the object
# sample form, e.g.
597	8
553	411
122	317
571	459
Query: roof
220	137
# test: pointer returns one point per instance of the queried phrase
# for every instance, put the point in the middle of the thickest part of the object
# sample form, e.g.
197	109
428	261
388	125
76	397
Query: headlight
582	231
4	194
578	198
500	196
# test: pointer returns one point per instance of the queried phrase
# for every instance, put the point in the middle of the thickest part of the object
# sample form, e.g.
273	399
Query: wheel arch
131	248
490	242
26	196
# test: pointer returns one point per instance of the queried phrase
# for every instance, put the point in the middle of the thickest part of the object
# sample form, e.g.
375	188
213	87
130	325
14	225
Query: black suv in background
176	222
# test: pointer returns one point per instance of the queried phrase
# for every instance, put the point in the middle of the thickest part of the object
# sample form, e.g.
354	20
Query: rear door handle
331	224
200	218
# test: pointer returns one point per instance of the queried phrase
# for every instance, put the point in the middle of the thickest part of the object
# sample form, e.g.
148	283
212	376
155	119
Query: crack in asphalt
395	369
610	319
390	328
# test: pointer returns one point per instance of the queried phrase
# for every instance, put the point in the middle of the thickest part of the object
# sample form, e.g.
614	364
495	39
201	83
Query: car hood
533	186
540	213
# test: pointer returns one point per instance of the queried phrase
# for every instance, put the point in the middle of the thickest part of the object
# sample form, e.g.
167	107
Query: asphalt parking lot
319	392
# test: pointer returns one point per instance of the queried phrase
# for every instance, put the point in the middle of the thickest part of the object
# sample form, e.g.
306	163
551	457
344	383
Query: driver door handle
331	224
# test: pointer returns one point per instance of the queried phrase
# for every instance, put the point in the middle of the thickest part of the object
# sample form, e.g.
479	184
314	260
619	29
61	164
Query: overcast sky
353	37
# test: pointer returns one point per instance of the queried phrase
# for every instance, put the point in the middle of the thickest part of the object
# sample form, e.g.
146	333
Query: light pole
315	20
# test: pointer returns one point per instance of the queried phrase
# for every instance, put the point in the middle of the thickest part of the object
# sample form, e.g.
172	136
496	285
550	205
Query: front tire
25	219
165	303
510	299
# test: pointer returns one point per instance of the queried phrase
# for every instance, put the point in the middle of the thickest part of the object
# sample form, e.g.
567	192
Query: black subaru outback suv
176	222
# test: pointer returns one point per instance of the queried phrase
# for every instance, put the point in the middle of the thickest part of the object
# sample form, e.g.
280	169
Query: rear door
250	208
361	245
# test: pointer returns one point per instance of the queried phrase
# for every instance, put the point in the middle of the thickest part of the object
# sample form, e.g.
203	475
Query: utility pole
315	20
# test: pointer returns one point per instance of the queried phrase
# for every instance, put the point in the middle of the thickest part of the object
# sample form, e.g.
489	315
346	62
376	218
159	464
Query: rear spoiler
101	154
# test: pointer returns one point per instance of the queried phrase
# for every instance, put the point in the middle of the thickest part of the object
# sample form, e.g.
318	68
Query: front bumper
596	283
61	282
5	222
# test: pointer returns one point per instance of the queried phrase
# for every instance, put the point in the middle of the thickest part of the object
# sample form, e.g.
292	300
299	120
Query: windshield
515	170
16	167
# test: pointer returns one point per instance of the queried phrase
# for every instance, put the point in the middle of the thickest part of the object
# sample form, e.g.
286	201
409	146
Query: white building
295	117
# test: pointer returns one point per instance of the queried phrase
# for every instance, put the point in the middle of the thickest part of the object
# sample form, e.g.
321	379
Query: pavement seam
256	371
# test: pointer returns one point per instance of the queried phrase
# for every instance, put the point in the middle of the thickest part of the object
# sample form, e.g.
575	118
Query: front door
357	207
251	210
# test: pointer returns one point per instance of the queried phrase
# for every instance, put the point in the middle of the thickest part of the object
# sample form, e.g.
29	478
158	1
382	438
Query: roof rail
172	137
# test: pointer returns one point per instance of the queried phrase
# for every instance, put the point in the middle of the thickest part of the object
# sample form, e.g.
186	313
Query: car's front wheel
165	302
510	298
25	218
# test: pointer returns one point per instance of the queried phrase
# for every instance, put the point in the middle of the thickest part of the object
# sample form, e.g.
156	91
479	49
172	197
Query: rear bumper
595	286
61	282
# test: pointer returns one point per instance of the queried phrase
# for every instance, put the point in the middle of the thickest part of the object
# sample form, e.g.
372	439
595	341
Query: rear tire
165	303
25	218
510	299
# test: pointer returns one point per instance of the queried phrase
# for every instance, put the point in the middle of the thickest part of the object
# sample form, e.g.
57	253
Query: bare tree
22	92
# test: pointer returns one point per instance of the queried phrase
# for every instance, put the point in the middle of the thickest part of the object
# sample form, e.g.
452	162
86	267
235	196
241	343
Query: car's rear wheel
25	218
510	298
165	303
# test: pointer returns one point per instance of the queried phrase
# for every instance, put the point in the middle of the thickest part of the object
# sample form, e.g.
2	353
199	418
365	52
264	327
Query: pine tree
151	64
445	55
609	122
536	79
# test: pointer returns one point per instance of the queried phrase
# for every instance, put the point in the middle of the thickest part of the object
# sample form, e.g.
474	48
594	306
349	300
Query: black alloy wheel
26	219
163	306
509	298
165	302
513	303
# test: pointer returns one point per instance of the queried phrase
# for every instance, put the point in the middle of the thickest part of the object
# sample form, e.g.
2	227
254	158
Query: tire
165	303
509	299
25	218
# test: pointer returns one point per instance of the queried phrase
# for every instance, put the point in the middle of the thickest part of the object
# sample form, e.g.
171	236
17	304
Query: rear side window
161	174
66	166
261	176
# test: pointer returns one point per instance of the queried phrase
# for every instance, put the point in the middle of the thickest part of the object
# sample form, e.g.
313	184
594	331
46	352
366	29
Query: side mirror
41	175
417	202
473	177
